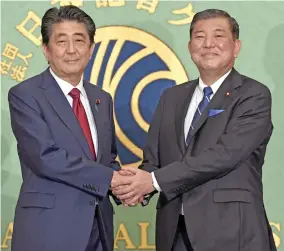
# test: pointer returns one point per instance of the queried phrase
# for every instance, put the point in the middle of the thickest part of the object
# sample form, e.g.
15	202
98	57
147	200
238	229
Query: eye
61	42
79	41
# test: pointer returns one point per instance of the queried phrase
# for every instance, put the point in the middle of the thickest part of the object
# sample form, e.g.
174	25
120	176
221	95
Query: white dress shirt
66	89
195	100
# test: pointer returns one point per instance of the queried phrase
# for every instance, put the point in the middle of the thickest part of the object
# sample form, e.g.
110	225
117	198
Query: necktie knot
75	93
207	91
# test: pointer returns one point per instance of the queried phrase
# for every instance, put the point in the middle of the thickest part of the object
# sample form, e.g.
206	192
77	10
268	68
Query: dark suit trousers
181	241
95	243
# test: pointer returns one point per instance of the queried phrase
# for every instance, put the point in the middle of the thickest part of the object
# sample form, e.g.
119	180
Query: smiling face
213	46
69	50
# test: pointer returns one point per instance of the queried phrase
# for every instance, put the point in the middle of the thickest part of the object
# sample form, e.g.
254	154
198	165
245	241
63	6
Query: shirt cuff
155	183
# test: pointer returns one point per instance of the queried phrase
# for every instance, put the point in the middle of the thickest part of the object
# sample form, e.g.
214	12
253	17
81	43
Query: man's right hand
120	179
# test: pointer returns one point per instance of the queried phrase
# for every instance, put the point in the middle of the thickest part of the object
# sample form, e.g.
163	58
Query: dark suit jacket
62	184
218	176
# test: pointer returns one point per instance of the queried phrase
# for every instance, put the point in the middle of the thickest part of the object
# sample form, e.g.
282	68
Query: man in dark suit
66	144
205	151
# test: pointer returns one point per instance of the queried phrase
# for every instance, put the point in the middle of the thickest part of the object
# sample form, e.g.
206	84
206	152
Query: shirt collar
215	86
67	87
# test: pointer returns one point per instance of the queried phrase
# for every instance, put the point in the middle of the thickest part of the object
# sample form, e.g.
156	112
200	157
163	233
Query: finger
122	180
133	170
119	187
125	172
125	190
115	193
132	201
141	199
124	203
126	196
133	204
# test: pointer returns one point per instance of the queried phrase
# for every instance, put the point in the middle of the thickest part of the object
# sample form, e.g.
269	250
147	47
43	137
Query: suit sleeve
40	152
115	165
151	161
151	150
249	127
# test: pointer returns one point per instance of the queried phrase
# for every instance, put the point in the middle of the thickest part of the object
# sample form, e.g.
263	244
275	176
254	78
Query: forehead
69	28
218	23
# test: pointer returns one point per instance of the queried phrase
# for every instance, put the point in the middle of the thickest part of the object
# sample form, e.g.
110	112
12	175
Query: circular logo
135	67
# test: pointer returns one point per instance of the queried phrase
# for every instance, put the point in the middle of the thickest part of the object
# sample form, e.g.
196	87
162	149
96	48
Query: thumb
125	172
133	170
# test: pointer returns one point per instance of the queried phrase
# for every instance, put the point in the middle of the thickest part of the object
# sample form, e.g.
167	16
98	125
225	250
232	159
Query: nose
209	41
70	47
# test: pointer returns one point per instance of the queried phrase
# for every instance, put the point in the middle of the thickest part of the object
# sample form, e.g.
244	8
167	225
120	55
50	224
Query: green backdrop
162	26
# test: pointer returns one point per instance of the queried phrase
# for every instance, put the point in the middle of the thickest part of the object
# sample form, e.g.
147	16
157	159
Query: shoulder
28	87
252	87
177	90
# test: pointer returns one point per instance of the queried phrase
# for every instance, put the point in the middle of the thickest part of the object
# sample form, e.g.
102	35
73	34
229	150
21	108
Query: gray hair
213	13
66	13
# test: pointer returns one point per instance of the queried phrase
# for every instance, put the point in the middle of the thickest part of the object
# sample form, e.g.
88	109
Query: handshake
130	185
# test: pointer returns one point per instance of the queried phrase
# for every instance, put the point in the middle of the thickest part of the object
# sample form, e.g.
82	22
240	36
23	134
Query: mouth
209	54
71	61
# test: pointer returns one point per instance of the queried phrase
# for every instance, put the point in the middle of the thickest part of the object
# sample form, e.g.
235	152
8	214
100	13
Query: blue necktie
207	91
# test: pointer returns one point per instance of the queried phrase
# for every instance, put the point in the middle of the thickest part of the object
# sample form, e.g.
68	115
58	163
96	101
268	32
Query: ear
189	46
45	51
92	50
238	45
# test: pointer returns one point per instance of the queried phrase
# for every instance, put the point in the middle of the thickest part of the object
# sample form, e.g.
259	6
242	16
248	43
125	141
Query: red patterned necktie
81	115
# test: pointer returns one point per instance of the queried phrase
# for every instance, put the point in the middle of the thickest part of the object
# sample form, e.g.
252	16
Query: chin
210	67
208	64
73	69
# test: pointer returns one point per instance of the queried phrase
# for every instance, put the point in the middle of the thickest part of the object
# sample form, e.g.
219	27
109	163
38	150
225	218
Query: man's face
69	49
212	45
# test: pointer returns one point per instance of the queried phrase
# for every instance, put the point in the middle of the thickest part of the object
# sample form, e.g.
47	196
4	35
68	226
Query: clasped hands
130	185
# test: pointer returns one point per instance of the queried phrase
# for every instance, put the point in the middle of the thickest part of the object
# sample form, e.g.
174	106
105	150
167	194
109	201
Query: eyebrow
219	29
75	34
79	34
198	31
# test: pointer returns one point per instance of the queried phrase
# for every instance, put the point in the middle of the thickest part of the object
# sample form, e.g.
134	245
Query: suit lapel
220	99
93	96
61	106
181	111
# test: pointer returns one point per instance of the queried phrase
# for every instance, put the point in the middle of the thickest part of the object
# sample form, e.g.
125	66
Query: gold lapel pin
228	94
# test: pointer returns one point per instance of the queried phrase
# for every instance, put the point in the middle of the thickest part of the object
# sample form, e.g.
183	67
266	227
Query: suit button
94	188
92	202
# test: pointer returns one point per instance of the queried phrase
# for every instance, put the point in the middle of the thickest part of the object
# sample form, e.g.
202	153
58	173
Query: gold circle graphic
152	44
